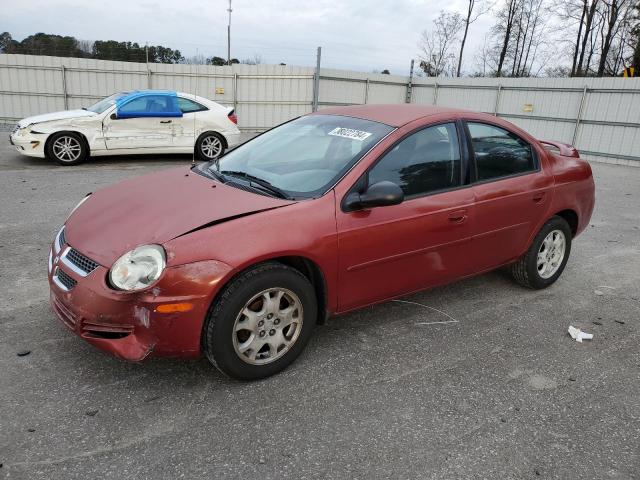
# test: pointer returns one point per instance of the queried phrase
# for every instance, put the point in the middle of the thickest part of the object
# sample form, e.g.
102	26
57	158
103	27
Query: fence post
579	117
409	84
497	105
316	82
366	91
435	93
64	87
235	91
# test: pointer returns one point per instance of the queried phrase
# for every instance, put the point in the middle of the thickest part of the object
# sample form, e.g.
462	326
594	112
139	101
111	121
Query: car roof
392	115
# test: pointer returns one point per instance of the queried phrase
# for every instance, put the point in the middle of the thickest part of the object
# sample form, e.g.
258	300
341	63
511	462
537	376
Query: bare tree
475	9
435	45
256	59
507	18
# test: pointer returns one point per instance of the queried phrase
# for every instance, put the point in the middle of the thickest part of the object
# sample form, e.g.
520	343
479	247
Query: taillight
233	117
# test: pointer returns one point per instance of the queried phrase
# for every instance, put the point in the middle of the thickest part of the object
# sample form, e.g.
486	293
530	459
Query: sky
364	35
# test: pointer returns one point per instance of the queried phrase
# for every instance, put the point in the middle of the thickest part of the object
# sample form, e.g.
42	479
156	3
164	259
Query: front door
144	124
424	241
512	194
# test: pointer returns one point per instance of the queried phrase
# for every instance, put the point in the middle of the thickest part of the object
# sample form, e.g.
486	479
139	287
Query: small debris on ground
31	430
23	353
595	322
598	292
572	379
621	322
92	412
578	335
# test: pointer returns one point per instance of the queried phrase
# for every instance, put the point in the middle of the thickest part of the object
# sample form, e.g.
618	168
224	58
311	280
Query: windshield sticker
350	133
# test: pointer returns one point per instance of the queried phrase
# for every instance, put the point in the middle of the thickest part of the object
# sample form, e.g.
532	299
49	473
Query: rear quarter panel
574	189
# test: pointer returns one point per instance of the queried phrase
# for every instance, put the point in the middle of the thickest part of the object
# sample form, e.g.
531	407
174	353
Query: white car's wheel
66	148
209	146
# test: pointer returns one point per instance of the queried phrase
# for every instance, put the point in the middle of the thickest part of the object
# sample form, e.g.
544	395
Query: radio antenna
193	157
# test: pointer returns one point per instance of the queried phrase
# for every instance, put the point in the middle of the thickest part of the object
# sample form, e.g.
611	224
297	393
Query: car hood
156	208
49	117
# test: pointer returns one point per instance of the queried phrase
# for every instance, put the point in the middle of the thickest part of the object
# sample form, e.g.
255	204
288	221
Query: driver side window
426	161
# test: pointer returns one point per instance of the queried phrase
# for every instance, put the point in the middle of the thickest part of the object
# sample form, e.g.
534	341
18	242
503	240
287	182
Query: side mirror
113	116
381	194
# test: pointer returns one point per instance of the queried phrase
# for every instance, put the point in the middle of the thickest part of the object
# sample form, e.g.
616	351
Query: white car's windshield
105	103
304	157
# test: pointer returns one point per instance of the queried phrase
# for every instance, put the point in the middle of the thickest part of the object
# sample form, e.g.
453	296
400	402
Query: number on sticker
350	133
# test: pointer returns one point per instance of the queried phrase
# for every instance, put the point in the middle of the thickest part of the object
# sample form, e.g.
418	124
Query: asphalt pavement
387	392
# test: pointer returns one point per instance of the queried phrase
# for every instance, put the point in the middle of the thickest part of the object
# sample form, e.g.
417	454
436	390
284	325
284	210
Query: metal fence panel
601	116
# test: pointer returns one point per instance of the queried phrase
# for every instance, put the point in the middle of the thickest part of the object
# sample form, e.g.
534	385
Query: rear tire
260	322
209	146
66	148
547	256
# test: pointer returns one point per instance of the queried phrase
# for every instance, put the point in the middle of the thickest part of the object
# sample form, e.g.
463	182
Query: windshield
105	103
304	157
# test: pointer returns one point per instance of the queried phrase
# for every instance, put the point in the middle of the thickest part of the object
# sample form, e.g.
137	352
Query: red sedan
239	258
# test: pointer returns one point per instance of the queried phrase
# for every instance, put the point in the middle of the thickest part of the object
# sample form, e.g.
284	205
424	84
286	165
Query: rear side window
188	106
424	162
498	152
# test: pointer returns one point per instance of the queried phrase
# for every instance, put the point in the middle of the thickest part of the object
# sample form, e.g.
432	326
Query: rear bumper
233	138
128	325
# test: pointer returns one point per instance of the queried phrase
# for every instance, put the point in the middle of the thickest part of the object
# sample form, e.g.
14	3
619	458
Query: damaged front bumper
133	325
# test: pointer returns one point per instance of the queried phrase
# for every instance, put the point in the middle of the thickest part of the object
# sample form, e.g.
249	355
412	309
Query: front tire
547	256
66	148
261	322
209	146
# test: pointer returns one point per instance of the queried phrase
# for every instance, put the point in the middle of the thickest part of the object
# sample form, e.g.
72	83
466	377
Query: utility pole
316	82
146	54
229	35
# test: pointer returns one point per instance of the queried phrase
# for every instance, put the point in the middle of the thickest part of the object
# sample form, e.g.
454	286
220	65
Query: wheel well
314	274
572	219
82	136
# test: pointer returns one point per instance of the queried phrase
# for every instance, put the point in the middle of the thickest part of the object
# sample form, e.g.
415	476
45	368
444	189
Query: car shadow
159	374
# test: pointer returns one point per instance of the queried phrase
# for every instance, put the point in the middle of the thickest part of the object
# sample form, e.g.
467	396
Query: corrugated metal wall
601	116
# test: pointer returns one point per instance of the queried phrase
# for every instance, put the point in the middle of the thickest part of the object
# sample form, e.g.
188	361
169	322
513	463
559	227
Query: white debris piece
578	335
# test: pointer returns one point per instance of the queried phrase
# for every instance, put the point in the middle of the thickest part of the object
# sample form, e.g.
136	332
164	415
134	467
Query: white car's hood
48	117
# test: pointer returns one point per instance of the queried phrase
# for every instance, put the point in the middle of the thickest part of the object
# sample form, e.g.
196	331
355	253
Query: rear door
424	241
512	194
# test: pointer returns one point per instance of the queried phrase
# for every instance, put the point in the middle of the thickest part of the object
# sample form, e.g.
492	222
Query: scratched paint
142	315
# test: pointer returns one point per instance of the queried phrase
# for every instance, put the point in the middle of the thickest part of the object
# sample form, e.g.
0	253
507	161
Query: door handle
539	197
458	216
165	121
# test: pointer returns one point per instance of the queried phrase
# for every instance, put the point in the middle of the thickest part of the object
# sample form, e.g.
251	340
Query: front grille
66	315
80	261
15	129
65	279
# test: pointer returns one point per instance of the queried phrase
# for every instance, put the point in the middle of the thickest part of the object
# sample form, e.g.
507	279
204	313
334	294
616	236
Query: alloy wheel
211	146
267	326
67	149
551	253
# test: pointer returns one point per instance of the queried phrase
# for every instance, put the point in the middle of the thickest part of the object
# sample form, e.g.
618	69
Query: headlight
80	203
138	268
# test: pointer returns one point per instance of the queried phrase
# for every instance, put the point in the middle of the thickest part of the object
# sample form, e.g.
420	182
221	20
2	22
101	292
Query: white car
137	122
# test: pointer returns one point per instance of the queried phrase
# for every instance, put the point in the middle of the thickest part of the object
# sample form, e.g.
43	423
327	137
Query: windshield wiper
259	181
216	175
